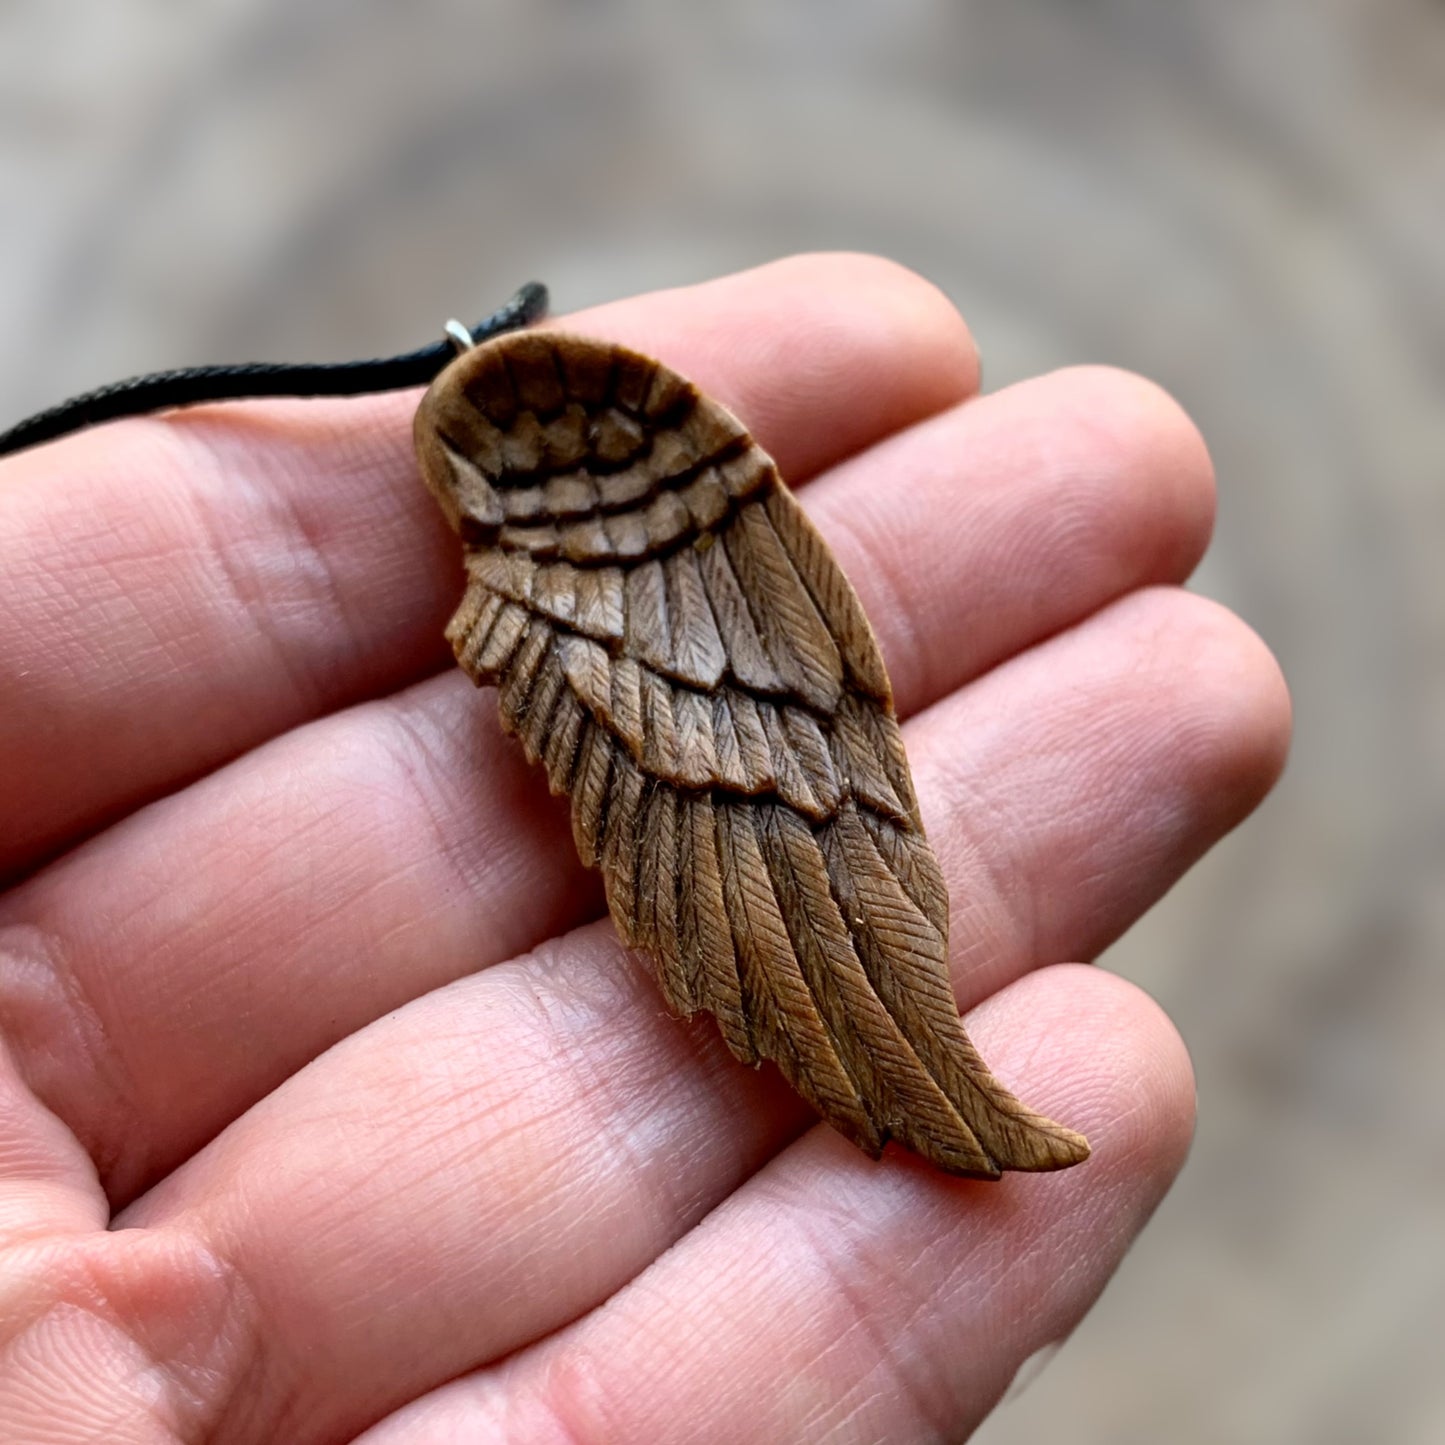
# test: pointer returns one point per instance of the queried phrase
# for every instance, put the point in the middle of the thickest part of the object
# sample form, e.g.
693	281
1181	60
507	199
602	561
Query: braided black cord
188	386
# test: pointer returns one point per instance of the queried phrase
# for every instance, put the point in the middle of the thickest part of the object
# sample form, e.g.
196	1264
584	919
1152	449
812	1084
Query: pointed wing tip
1046	1147
1037	1146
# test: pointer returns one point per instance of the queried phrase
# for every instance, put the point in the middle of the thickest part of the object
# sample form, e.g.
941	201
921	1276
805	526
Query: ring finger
548	1112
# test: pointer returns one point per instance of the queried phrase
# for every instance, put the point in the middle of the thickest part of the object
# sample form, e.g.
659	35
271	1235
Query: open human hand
331	1107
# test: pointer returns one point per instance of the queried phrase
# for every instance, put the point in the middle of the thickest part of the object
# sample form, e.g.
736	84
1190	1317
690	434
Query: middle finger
196	955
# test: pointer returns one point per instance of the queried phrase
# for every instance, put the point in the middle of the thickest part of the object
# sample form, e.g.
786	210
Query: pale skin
331	1108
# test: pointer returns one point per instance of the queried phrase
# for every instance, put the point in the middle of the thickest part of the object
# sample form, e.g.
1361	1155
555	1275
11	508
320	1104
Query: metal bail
460	337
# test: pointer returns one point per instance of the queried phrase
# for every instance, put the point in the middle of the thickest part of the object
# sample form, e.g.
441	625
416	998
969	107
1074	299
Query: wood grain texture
672	640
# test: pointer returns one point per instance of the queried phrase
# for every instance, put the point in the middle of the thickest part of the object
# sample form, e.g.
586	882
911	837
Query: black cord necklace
192	385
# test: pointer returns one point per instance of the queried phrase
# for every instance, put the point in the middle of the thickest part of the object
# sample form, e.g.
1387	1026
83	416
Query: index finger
181	589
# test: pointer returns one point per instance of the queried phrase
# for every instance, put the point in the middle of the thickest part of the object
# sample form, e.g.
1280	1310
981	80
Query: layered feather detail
673	642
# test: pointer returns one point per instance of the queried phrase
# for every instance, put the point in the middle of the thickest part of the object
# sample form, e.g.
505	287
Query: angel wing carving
673	641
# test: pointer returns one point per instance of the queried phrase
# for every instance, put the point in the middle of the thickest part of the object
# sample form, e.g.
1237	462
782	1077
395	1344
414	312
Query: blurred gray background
1242	198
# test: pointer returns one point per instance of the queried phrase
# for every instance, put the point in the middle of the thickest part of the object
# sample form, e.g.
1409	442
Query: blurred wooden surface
1244	200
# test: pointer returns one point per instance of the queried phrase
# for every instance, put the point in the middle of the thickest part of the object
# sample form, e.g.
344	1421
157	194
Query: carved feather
673	641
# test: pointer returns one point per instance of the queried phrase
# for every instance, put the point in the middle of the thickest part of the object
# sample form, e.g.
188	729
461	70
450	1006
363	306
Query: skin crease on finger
205	1317
431	824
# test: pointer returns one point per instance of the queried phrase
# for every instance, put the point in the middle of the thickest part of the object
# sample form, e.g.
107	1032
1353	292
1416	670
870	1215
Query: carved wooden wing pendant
674	642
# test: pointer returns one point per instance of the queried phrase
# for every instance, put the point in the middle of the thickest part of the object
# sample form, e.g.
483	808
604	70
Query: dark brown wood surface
674	642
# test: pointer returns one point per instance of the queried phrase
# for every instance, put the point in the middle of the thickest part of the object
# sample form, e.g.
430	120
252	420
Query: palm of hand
332	1035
